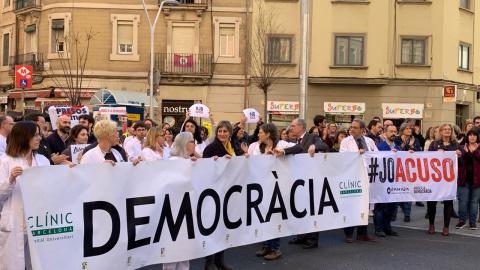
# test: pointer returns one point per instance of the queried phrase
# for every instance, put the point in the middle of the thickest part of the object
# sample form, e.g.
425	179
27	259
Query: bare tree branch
264	55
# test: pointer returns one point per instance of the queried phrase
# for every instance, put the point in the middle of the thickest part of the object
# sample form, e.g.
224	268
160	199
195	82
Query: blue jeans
382	215
468	194
273	244
406	206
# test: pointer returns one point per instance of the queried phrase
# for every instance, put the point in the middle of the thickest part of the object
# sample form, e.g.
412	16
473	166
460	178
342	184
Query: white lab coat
13	230
96	155
350	145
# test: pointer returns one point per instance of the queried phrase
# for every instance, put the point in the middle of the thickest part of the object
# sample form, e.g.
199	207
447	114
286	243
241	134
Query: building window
280	49
6	3
125	37
349	50
464	57
465	4
58	36
6	49
227	40
58	40
413	51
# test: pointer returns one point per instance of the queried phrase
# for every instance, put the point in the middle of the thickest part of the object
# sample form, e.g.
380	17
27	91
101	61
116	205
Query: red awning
83	93
29	94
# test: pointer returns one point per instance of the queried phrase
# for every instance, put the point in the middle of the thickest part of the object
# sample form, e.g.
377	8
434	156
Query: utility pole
304	42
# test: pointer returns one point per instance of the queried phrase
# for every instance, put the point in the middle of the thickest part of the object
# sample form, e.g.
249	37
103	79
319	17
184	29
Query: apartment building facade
394	59
198	51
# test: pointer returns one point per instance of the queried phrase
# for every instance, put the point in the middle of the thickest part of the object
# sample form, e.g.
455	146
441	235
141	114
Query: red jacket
462	171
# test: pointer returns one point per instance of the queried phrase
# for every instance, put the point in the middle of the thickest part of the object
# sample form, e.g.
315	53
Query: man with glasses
134	147
6	124
358	143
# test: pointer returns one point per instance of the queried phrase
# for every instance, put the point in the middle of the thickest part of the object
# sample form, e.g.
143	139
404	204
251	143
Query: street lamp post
152	36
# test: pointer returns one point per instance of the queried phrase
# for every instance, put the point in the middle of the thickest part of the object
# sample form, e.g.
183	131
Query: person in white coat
154	147
357	143
23	142
107	136
183	148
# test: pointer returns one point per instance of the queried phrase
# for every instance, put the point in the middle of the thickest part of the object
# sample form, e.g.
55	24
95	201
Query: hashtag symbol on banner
373	169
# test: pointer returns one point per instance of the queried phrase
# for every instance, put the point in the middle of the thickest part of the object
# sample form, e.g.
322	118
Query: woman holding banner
468	190
445	141
23	142
107	136
183	148
78	135
267	141
154	146
220	147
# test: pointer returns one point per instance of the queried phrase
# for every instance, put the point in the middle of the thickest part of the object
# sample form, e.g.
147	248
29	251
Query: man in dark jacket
57	142
43	148
306	143
87	121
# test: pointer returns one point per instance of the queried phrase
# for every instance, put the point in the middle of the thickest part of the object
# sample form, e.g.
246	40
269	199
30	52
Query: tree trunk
265	104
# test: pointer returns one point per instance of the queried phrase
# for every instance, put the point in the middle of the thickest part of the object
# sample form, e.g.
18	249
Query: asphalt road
412	249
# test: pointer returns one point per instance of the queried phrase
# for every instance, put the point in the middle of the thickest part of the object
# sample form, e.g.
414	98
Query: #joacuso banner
124	217
407	177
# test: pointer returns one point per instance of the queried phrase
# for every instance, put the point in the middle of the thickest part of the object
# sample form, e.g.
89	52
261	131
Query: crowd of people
26	144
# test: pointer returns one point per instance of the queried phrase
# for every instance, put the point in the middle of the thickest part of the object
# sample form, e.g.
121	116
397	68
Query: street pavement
412	249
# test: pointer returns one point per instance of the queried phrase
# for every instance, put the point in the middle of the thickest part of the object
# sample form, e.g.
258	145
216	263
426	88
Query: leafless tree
265	50
73	64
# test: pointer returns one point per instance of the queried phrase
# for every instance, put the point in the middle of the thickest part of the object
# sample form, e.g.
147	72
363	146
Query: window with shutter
6	49
227	39
125	37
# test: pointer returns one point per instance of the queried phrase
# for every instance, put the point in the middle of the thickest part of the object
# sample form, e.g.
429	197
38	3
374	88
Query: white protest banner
76	149
407	177
106	217
113	110
199	110
252	115
71	111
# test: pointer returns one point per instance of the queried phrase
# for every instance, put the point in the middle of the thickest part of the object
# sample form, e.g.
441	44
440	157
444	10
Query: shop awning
83	93
106	97
30	94
52	102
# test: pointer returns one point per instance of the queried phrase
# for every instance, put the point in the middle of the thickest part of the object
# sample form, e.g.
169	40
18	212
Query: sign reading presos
407	177
399	110
71	111
113	110
23	76
344	108
199	110
252	115
182	211
283	106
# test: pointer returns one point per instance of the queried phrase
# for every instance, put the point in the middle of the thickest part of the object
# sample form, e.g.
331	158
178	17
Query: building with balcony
391	59
197	49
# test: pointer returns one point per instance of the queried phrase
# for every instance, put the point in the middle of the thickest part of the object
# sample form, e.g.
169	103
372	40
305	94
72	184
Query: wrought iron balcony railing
32	59
184	63
191	2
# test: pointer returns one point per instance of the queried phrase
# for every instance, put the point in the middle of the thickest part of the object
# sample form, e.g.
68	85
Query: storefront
282	113
134	102
399	112
342	113
173	111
